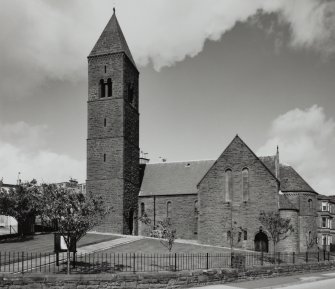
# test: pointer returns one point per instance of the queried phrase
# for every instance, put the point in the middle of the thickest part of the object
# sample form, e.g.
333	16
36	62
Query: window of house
228	186
142	209
105	68
245	233
324	240
196	212
324	222
245	185
105	122
168	209
196	209
310	203
104	157
325	206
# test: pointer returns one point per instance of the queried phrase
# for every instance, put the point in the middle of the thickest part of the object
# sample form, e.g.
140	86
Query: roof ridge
178	162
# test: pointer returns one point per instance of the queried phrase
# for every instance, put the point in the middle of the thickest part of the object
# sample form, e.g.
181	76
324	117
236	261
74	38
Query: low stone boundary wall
154	279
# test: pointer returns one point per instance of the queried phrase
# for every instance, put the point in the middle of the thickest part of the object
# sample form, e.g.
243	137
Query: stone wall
154	280
183	216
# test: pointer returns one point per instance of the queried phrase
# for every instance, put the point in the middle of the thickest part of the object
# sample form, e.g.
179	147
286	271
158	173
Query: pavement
319	280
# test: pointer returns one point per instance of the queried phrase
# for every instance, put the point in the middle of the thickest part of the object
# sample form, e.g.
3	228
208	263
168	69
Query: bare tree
167	232
279	228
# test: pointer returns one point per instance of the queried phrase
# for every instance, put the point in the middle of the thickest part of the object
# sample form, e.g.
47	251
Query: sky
262	69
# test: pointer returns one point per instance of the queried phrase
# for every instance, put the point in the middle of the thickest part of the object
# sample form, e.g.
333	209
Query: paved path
43	262
319	280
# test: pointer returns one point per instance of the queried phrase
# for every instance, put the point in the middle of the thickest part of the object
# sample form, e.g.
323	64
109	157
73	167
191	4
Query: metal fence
21	262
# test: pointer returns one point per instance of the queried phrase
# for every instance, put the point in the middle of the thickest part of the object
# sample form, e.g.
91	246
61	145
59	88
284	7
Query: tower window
109	87
104	157
228	186
102	88
105	122
245	185
105	68
245	233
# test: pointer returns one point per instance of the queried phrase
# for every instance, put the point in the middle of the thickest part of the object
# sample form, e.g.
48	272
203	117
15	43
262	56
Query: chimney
144	161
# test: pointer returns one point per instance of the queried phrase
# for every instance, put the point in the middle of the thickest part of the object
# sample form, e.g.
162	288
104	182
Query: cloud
306	139
22	150
50	39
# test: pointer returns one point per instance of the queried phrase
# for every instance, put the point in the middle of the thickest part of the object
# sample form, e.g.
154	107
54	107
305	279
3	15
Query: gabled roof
290	180
112	40
238	140
285	203
173	178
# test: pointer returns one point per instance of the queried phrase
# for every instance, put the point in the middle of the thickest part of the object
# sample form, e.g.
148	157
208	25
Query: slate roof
173	178
285	203
112	40
290	180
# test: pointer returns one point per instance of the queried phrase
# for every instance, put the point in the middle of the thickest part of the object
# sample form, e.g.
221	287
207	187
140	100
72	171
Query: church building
203	199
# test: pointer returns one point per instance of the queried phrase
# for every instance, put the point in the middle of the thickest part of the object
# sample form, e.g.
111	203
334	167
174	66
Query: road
322	280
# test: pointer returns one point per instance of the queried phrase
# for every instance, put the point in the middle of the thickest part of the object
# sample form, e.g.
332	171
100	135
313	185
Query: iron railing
22	262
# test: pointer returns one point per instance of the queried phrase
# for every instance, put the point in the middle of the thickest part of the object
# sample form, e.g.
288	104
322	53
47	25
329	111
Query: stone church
202	198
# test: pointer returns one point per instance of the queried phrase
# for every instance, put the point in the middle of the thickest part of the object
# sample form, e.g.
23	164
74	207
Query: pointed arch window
130	89
104	157
310	203
245	185
168	209
142	209
228	186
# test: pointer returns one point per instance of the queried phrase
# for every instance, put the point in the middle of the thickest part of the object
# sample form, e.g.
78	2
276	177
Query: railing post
324	254
134	263
207	261
306	256
262	258
293	257
22	262
328	256
278	258
175	261
318	256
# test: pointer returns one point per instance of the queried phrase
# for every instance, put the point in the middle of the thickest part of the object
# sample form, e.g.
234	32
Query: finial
277	149
113	10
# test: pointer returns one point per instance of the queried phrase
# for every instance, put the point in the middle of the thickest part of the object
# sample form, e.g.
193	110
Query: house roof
285	203
173	178
290	180
112	40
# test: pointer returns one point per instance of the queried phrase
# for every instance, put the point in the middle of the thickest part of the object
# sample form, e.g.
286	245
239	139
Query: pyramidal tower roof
112	40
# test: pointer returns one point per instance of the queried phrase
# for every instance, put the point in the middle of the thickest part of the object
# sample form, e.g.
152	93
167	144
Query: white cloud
45	38
22	150
306	139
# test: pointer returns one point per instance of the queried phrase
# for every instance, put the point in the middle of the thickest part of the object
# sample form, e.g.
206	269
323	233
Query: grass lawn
45	243
152	246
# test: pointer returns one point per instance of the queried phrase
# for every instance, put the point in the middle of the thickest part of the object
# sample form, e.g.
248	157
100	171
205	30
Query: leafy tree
279	228
23	202
75	213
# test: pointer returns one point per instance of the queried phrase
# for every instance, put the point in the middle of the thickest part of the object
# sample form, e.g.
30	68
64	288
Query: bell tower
113	129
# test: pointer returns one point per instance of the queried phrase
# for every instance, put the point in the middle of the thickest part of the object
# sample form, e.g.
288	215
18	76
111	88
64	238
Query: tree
163	230
23	202
75	213
167	232
311	240
279	228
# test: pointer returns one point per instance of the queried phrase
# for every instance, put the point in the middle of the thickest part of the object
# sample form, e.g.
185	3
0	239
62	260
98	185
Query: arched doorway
261	242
